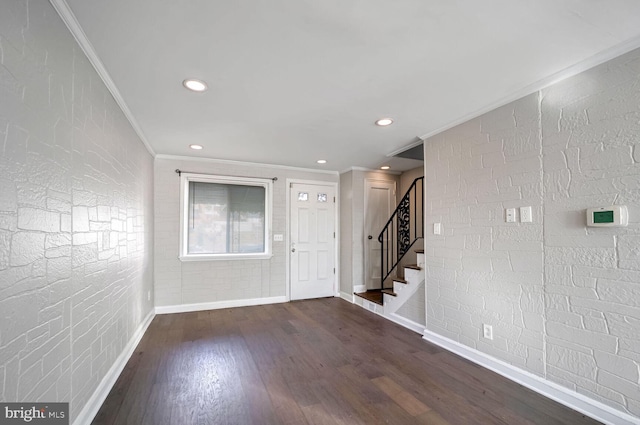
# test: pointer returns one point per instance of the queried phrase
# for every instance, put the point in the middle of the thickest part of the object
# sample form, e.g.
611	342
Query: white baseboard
215	305
576	401
91	408
346	296
403	321
359	288
395	318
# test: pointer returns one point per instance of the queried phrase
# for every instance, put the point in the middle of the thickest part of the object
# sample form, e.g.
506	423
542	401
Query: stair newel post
382	260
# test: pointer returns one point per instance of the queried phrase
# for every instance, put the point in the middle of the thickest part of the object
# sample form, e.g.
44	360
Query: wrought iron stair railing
404	228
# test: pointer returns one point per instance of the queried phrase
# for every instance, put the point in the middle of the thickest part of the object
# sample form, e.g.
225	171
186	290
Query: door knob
293	250
369	237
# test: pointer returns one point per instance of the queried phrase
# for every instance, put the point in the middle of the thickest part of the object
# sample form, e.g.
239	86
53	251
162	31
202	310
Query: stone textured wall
192	282
75	215
591	147
562	298
482	269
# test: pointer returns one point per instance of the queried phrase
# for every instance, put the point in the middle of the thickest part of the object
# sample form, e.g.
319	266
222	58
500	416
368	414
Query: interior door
312	238
379	205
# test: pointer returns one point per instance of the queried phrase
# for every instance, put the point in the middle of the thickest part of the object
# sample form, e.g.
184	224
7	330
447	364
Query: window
224	217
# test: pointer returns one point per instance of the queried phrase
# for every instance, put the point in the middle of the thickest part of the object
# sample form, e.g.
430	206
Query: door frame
336	218
394	201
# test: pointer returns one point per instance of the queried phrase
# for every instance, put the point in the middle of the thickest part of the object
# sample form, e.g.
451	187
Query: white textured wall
191	282
562	298
591	147
75	215
481	269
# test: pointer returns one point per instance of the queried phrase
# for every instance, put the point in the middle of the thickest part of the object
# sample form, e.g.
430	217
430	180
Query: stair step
399	280
389	292
413	267
419	251
375	296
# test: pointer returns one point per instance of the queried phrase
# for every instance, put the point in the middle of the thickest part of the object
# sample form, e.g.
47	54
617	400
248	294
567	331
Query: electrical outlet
487	331
510	215
526	215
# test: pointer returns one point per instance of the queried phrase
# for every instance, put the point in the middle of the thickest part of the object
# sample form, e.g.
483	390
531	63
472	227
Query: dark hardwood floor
310	362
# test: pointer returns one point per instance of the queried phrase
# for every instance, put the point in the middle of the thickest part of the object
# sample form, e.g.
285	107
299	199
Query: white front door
312	238
379	204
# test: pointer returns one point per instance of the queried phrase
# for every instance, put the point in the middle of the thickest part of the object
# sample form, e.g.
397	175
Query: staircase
399	281
386	302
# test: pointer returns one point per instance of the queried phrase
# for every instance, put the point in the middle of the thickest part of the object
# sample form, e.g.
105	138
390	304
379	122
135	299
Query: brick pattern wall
75	215
591	146
562	298
482	270
193	282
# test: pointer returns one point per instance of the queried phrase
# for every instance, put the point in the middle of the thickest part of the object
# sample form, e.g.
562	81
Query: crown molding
76	30
370	170
416	142
244	163
591	62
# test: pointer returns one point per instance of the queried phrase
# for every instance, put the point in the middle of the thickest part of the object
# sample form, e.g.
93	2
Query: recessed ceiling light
195	85
382	122
196	147
321	161
385	167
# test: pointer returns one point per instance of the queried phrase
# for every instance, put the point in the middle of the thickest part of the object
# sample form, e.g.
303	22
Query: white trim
245	163
336	218
370	170
267	184
92	406
595	60
347	297
354	168
359	288
216	305
393	317
411	145
576	401
409	324
76	30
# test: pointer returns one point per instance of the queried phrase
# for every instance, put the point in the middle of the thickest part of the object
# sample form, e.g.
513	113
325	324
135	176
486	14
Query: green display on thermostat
603	216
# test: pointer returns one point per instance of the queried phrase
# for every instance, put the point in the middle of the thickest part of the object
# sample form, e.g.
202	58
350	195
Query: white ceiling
293	81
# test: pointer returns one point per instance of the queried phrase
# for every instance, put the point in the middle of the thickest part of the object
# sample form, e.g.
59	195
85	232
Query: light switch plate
278	238
437	228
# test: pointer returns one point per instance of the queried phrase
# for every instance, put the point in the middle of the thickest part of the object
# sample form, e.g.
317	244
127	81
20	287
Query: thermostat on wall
613	216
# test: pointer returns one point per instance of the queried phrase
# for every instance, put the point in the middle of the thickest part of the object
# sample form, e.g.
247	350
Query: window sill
225	257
